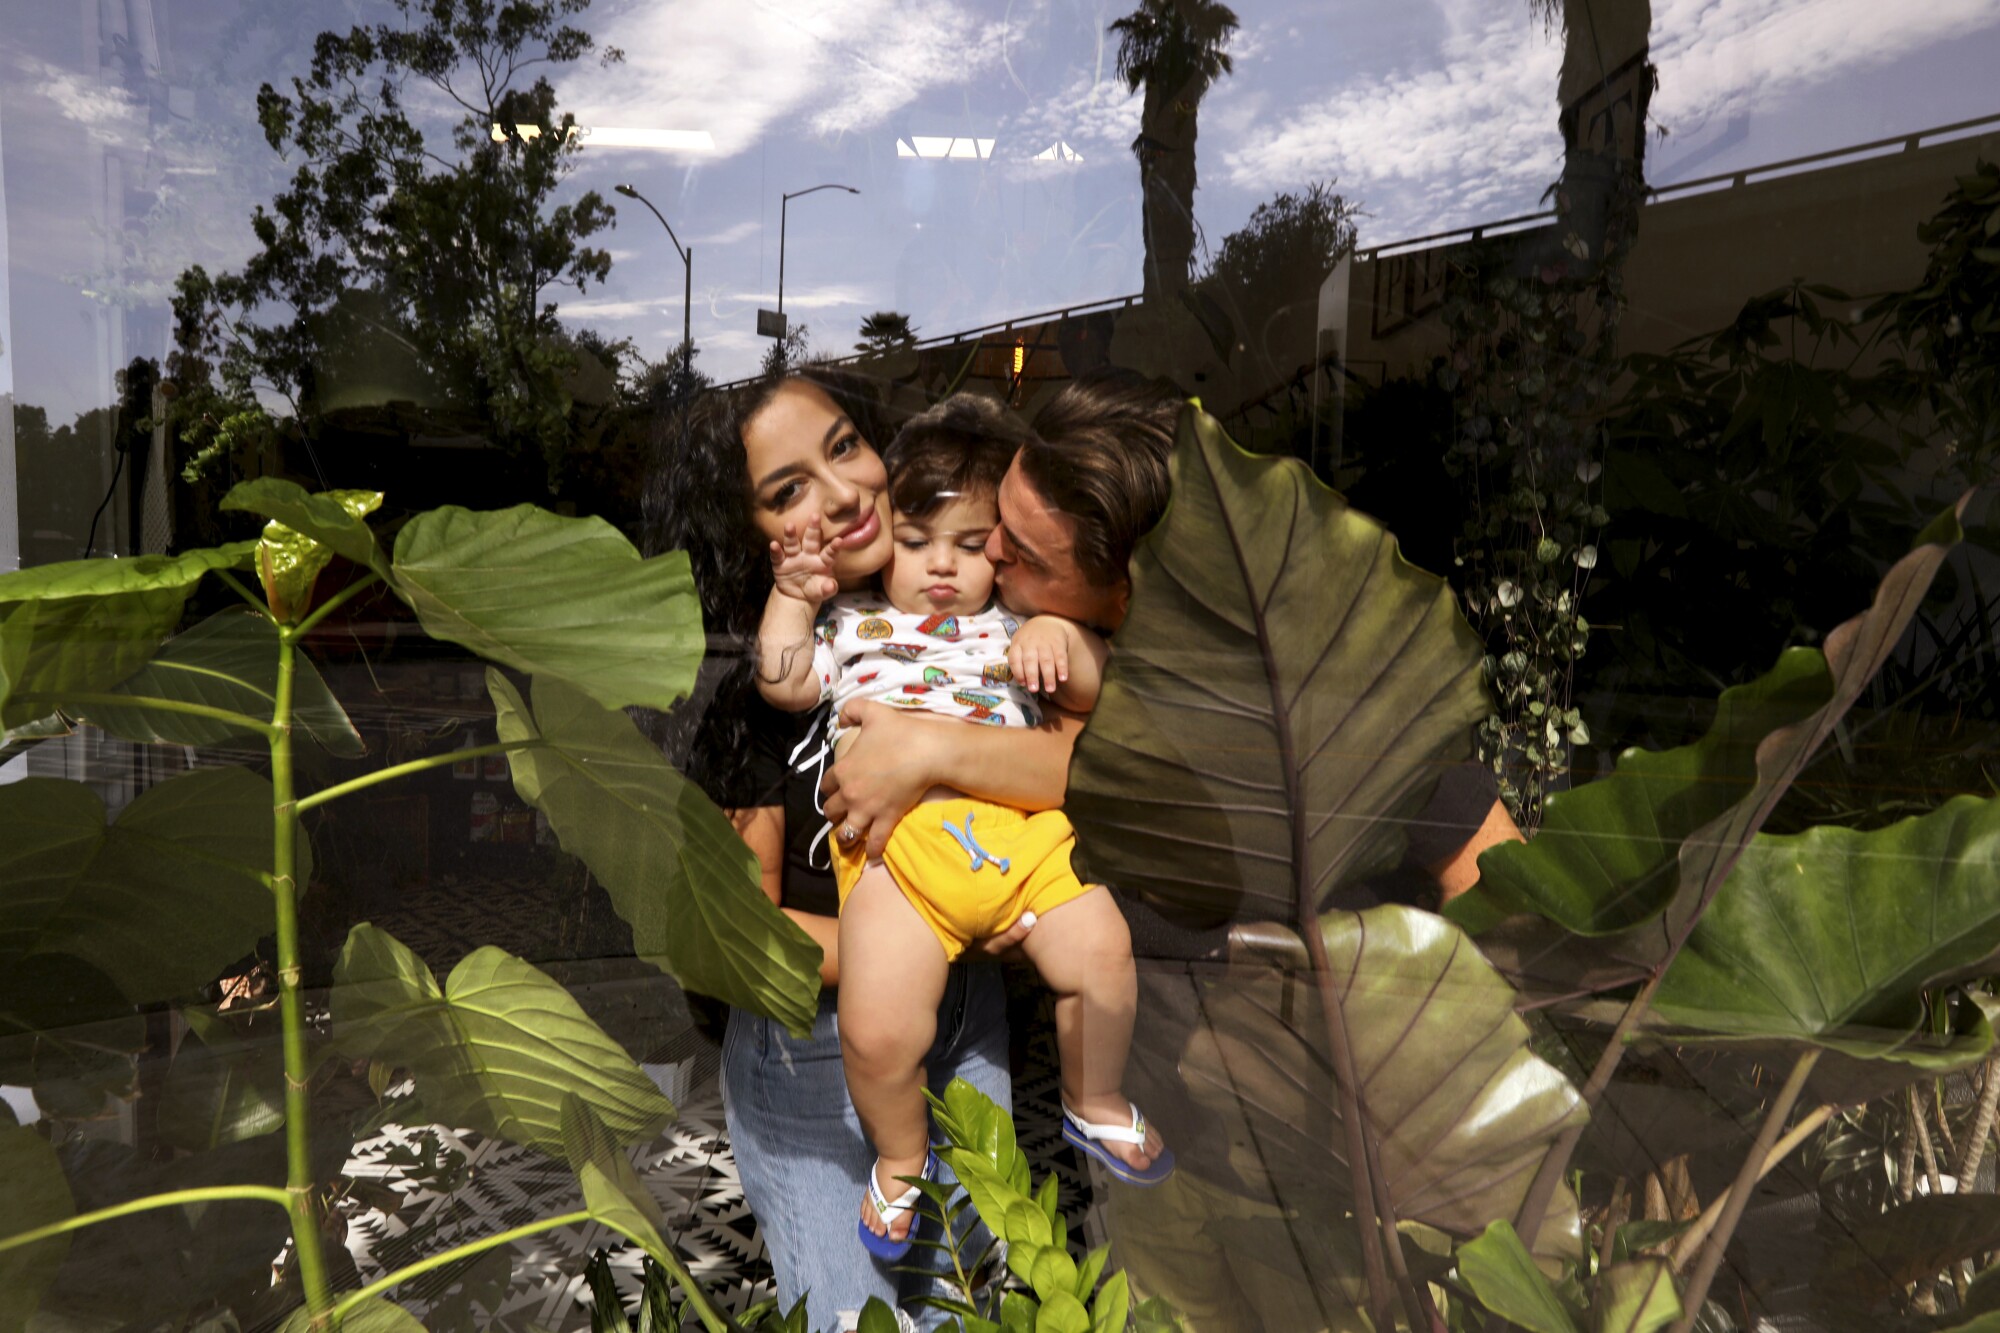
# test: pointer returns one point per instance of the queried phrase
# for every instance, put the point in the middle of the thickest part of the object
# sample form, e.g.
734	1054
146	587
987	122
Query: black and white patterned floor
423	1189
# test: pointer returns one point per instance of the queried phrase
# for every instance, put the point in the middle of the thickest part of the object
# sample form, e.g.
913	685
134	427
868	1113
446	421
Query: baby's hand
800	569
1038	657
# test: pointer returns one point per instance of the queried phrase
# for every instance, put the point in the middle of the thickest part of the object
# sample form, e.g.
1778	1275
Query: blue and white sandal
1087	1138
885	1246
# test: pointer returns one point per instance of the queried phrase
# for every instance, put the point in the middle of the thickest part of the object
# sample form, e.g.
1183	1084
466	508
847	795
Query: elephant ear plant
101	916
1284	692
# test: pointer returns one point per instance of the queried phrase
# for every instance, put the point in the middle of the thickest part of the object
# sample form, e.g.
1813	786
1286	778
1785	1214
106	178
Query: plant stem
1541	1190
1974	1151
242	721
285	895
1690	1241
207	1194
1739	1192
366	780
256	602
1958	1278
1347	1085
333	603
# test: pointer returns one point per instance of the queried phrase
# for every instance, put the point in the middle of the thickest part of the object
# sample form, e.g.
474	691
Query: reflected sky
1429	116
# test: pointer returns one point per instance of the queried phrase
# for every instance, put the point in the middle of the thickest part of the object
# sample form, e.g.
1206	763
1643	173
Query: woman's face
805	459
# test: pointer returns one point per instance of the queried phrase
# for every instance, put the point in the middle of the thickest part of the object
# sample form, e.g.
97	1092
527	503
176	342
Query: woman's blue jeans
804	1162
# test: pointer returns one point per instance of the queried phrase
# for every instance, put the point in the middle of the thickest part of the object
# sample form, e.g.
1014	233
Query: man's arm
1460	871
892	757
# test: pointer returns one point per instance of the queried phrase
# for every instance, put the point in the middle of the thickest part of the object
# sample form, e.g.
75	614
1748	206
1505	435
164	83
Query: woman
727	479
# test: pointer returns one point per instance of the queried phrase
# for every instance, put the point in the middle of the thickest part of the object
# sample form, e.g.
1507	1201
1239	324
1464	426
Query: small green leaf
1113	1303
1504	1277
675	869
496	1050
877	1317
1062	1313
289	560
1053	1274
33	1193
224	1084
1636	1297
555	597
1023	1221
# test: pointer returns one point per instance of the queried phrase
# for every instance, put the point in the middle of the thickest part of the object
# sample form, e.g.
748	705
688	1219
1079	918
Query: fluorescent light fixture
609	136
1057	152
926	145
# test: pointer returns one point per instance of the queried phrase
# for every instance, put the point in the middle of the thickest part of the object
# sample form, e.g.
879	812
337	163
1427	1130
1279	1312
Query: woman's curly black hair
697	499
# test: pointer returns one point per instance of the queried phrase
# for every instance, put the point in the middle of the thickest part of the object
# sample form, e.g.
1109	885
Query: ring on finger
849	835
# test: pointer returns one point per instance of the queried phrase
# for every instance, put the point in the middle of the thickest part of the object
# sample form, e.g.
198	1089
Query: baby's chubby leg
1083	951
892	975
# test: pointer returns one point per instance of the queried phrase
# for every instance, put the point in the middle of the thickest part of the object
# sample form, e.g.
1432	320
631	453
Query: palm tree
1174	50
1603	94
885	331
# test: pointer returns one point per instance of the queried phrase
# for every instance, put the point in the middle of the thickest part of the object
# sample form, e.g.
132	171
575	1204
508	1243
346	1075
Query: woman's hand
800	566
886	765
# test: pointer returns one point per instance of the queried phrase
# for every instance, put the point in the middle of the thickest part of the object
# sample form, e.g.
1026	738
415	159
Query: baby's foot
1116	1110
886	1171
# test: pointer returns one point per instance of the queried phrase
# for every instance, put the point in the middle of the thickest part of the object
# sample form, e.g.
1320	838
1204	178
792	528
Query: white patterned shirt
952	665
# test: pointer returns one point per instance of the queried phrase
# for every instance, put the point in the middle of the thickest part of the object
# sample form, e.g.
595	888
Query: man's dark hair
1099	454
961	447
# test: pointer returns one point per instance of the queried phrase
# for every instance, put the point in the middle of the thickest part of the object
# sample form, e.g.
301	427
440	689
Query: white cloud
1472	135
736	67
1092	111
816	298
741	231
608	309
107	113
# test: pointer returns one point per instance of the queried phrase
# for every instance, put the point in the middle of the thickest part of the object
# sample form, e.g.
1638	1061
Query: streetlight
687	288
783	203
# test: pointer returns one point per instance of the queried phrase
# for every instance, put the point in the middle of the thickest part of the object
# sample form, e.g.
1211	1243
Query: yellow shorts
963	900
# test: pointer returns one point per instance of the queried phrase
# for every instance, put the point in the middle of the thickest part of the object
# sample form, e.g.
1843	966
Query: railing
973	334
1906	143
1727	180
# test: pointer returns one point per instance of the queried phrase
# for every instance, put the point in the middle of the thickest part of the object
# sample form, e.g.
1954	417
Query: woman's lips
861	533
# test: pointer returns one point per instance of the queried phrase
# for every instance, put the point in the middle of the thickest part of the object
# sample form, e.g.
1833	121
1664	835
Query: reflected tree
1173	50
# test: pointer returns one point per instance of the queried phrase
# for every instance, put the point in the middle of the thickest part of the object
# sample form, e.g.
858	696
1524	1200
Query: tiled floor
454	1186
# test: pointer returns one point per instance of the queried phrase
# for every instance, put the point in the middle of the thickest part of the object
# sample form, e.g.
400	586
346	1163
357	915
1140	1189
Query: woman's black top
788	755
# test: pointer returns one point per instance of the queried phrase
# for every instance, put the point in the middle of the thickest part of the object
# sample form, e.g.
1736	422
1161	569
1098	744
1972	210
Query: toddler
956	869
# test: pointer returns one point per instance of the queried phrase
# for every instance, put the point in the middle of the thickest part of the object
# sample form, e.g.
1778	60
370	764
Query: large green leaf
673	866
1462	1110
1830	937
33	1194
228	661
1603	860
159	901
67	1033
226	1084
1876	1258
1636	1297
85	625
1503	1275
555	596
495	1050
1632	860
1285	690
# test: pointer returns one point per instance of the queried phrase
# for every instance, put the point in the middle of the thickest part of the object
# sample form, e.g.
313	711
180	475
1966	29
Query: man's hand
800	568
884	769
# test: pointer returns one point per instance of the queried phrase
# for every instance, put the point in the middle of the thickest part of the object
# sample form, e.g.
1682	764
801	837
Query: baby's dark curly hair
961	447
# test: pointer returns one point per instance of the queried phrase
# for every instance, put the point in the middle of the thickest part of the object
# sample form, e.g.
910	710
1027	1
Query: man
1090	482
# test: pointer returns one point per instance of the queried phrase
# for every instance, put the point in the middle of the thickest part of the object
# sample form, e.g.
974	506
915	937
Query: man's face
1033	550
